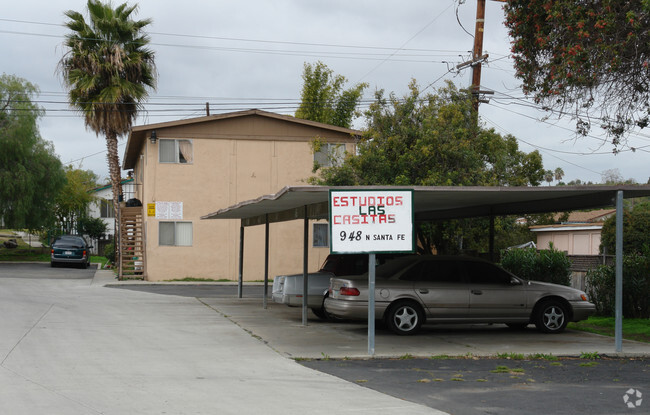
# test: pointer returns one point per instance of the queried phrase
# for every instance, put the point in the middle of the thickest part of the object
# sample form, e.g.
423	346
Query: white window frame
106	206
176	151
316	243
175	236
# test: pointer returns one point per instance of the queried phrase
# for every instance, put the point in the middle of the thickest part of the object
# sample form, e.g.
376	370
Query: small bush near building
109	252
547	265
601	283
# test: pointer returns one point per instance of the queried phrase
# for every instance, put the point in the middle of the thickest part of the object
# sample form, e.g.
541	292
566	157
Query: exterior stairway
132	239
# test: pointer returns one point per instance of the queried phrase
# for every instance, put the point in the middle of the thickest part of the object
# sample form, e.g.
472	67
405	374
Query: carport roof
432	202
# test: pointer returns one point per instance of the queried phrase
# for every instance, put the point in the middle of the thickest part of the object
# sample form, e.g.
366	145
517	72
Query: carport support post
371	304
266	262
491	242
305	273
618	328
241	260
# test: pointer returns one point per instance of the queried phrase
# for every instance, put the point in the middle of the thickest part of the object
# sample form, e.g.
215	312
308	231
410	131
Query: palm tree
548	176
108	71
558	174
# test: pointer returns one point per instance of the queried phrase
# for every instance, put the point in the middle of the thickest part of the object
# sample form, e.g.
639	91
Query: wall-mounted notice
371	221
169	210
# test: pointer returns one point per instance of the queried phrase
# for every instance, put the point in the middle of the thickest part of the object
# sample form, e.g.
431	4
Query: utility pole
477	55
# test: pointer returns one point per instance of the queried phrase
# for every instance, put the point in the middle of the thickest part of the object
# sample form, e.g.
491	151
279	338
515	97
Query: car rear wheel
405	317
551	317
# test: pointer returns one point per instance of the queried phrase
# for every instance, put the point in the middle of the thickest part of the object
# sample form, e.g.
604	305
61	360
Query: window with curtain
320	235
175	151
175	233
330	155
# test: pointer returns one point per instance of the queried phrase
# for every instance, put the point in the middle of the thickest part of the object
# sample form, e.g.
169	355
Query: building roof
139	133
432	202
565	227
589	216
108	186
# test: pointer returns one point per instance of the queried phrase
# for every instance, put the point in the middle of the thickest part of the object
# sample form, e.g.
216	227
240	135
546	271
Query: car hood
553	288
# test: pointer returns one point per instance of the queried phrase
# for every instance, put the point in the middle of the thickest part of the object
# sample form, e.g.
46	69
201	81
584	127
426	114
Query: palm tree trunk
116	183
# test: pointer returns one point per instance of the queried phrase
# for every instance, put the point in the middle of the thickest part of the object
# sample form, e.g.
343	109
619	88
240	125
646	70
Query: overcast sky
240	55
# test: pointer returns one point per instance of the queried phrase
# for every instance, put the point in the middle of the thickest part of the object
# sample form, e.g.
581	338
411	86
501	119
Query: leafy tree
581	56
636	223
93	227
433	140
323	98
108	71
558	174
73	200
30	172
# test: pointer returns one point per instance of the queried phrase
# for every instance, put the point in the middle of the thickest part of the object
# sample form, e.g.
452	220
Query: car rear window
69	241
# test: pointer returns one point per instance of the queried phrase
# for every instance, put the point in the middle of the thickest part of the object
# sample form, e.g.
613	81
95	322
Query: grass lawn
24	252
633	328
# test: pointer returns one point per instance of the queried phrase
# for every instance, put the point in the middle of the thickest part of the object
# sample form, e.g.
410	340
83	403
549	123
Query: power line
405	43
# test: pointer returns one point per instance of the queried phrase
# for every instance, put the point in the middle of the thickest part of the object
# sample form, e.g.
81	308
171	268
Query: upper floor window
175	151
330	154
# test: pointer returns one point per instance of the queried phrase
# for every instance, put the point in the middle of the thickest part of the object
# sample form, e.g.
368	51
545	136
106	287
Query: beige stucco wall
231	164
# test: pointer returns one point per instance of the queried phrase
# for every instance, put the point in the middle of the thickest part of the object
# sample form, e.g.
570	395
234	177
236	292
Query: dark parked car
438	289
70	249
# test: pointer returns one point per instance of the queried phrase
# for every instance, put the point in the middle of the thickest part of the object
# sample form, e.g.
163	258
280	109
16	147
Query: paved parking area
43	270
71	346
281	328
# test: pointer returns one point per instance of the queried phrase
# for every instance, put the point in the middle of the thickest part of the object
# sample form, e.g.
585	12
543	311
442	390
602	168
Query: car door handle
423	291
477	292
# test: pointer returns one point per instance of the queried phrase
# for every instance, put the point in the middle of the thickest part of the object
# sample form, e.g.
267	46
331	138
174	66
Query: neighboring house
103	208
189	168
579	237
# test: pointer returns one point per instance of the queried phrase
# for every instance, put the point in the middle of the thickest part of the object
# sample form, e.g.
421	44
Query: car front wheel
551	317
405	317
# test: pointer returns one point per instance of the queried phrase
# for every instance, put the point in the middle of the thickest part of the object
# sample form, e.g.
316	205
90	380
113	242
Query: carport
434	203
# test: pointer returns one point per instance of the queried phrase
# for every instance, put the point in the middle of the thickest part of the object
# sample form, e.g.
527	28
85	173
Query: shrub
548	265
636	286
109	252
635	231
601	289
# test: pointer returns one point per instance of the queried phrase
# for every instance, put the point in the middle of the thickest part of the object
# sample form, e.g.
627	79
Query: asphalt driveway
43	270
71	346
471	386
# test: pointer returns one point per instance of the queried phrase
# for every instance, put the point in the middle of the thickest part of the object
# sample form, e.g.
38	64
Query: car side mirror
514	281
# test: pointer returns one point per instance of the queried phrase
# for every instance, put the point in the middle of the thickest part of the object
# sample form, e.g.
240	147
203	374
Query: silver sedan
440	289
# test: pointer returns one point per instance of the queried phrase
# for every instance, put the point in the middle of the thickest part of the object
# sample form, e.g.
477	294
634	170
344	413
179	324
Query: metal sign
371	221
